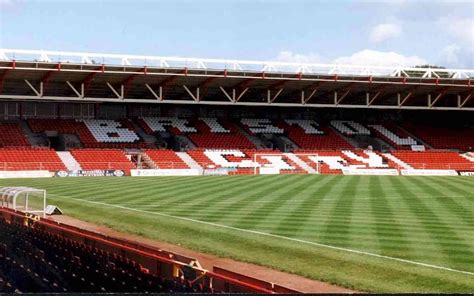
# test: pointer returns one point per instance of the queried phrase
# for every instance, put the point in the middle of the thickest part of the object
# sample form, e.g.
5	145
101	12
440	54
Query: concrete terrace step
301	163
189	160
402	164
469	156
69	161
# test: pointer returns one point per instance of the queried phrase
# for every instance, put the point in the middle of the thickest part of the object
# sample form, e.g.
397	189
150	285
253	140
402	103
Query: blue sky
356	32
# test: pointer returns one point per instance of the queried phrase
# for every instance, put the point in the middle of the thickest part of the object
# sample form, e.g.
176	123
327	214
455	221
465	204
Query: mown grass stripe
306	208
234	193
343	205
195	198
458	210
382	212
282	237
265	210
439	228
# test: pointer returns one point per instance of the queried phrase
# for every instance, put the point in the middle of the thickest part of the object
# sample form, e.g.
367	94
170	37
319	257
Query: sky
386	33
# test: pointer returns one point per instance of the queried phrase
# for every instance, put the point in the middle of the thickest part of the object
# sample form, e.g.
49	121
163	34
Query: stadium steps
349	140
415	137
401	163
300	163
149	139
189	160
362	142
469	156
254	139
182	139
69	161
34	139
288	143
145	159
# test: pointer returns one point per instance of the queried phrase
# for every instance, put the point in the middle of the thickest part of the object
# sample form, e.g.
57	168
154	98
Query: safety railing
125	166
57	166
441	166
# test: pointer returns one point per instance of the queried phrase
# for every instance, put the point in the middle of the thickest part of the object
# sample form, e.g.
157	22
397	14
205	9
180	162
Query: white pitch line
293	200
275	236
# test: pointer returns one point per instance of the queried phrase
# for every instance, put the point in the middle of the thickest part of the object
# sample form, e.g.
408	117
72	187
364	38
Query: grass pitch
370	233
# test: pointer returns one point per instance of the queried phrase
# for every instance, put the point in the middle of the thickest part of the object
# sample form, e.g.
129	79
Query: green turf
424	219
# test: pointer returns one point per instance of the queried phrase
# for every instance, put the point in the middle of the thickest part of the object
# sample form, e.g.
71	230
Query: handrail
224	64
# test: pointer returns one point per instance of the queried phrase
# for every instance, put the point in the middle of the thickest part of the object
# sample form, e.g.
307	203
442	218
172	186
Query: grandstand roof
92	77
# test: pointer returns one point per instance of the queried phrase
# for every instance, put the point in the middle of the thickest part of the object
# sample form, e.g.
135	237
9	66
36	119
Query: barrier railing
222	64
57	166
126	166
441	166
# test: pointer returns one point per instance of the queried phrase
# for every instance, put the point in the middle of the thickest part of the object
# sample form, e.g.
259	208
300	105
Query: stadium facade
105	114
66	114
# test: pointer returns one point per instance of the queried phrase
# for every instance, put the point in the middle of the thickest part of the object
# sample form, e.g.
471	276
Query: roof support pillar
193	96
305	99
270	98
463	101
158	96
79	94
119	95
402	102
38	93
234	98
370	100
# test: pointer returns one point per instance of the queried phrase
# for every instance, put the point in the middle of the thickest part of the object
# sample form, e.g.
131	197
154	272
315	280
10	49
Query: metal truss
228	64
87	82
233	98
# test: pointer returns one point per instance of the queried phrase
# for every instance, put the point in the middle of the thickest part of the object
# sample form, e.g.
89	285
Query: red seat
71	126
329	140
30	159
11	135
166	159
102	159
442	160
444	137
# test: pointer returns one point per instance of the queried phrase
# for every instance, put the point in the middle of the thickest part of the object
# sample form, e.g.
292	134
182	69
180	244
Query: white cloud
290	57
384	32
363	57
380	58
456	56
460	28
450	54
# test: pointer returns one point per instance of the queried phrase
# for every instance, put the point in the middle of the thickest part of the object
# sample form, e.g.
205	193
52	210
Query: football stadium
129	173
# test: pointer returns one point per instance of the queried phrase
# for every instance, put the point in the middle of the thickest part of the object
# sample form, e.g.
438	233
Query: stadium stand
394	135
311	138
165	159
38	255
226	144
460	138
218	134
102	159
260	126
334	161
92	133
349	127
244	161
205	132
11	135
25	159
442	160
